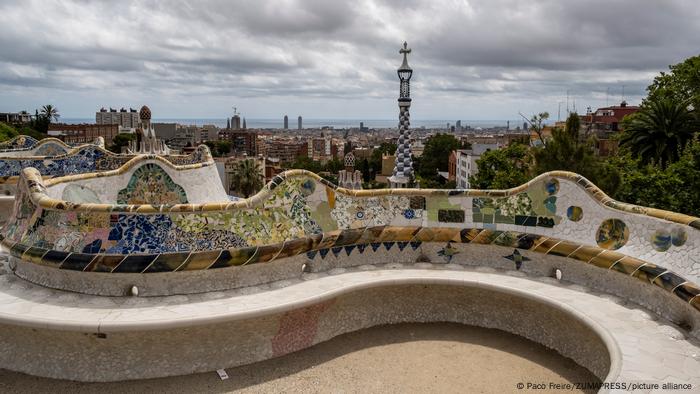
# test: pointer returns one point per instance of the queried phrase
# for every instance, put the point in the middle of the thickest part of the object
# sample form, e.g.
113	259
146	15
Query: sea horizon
338	123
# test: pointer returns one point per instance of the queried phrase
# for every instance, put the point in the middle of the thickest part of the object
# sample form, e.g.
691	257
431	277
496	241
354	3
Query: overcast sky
478	59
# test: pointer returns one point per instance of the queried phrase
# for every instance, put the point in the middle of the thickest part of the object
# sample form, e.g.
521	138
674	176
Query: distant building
242	141
322	149
128	119
299	122
83	133
452	166
15	117
604	123
236	122
285	150
166	131
459	125
286	122
465	163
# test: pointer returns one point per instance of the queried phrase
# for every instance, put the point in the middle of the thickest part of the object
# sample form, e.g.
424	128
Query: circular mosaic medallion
612	234
409	213
308	187
360	215
574	213
551	186
678	236
661	240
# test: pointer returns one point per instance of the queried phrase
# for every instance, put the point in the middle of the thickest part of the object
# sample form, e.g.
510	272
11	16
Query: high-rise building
128	119
286	122
236	122
299	122
403	169
459	125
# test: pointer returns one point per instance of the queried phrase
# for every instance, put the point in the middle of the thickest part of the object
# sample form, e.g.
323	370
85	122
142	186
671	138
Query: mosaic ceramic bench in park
170	229
54	158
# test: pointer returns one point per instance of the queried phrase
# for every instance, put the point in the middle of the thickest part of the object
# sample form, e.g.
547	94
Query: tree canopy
502	168
660	130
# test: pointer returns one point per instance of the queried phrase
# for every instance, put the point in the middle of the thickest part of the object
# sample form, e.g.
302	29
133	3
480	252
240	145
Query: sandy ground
439	357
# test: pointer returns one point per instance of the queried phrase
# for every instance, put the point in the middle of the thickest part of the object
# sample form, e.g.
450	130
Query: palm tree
49	112
659	131
247	177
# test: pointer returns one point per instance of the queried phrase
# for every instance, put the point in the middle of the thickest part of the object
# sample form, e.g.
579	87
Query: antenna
559	111
567	101
623	93
607	93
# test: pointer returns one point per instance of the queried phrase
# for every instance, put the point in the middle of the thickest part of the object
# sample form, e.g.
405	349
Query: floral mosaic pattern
350	212
535	207
150	184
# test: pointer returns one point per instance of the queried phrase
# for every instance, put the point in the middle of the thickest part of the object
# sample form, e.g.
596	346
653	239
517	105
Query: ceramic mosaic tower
403	169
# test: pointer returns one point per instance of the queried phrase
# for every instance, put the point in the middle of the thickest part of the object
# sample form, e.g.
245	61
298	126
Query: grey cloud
294	50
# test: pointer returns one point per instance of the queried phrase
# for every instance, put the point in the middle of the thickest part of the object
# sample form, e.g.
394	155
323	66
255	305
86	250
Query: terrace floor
431	357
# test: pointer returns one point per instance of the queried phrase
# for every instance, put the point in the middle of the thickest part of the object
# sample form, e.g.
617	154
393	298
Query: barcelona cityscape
323	196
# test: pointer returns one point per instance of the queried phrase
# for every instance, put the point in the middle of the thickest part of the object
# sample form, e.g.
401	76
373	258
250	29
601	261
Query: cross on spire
405	51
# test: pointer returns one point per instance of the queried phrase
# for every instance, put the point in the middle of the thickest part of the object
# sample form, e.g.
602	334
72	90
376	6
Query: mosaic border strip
365	239
38	196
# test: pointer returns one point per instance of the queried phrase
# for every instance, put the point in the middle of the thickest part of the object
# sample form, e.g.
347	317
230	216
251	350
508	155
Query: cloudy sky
472	59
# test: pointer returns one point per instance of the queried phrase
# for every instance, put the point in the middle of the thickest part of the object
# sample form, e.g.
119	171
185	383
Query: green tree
121	140
375	160
436	155
223	147
659	130
305	163
573	125
537	125
333	166
502	168
681	84
7	132
247	177
50	113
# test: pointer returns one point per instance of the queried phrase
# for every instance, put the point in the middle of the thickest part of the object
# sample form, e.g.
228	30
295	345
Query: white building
127	119
466	162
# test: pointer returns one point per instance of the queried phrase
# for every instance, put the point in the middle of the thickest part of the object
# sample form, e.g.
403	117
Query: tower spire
403	169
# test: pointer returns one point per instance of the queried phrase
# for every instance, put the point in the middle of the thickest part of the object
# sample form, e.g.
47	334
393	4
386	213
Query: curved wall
136	354
298	213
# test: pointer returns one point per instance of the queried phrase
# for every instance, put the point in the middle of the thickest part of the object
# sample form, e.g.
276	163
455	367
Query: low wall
84	159
112	356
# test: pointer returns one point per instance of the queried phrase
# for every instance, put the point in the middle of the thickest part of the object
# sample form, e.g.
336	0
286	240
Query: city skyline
475	60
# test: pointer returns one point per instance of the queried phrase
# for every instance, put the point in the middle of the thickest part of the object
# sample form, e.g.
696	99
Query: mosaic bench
53	158
303	261
24	145
154	217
